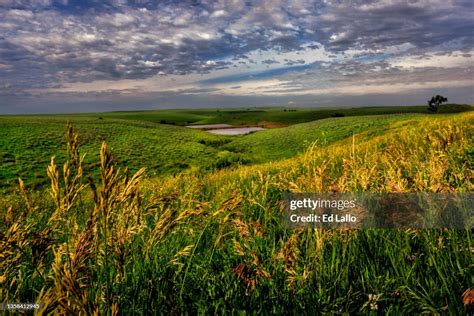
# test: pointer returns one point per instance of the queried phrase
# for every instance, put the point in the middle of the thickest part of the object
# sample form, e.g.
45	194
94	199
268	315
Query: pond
226	129
235	130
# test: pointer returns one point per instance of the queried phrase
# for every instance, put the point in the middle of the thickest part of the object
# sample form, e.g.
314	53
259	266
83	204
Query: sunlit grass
214	242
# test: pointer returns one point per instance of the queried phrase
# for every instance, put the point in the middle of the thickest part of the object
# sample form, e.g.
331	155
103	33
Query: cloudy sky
101	55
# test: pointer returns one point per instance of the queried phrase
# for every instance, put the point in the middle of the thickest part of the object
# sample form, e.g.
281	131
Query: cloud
139	46
294	62
270	61
377	24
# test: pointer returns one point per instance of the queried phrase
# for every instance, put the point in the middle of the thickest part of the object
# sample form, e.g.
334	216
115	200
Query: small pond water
235	130
226	129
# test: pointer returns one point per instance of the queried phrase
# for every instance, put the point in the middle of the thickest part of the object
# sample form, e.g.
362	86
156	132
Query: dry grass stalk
289	254
9	216
26	197
69	294
468	297
114	220
163	225
230	208
251	270
185	252
65	192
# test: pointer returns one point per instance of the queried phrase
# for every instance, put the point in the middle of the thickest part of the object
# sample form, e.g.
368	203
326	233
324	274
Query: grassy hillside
216	242
283	116
28	142
281	143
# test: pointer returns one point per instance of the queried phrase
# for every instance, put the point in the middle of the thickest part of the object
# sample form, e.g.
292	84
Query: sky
111	55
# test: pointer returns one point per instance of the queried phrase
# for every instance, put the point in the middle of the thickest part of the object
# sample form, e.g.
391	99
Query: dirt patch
268	124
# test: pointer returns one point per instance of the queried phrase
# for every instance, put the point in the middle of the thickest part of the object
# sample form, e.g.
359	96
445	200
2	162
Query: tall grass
210	243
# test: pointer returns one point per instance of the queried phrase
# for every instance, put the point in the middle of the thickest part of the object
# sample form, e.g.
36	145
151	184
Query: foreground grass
215	242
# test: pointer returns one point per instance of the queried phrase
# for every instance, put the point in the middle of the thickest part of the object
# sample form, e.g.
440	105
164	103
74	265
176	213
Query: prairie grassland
149	139
260	115
215	242
28	142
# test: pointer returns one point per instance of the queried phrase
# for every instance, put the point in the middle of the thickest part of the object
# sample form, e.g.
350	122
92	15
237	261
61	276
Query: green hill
213	242
138	139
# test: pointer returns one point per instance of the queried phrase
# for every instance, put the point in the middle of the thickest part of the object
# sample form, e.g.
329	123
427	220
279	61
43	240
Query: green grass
252	116
282	143
138	138
28	143
215	242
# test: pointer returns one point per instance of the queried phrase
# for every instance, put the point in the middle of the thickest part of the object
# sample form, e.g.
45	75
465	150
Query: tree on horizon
435	102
